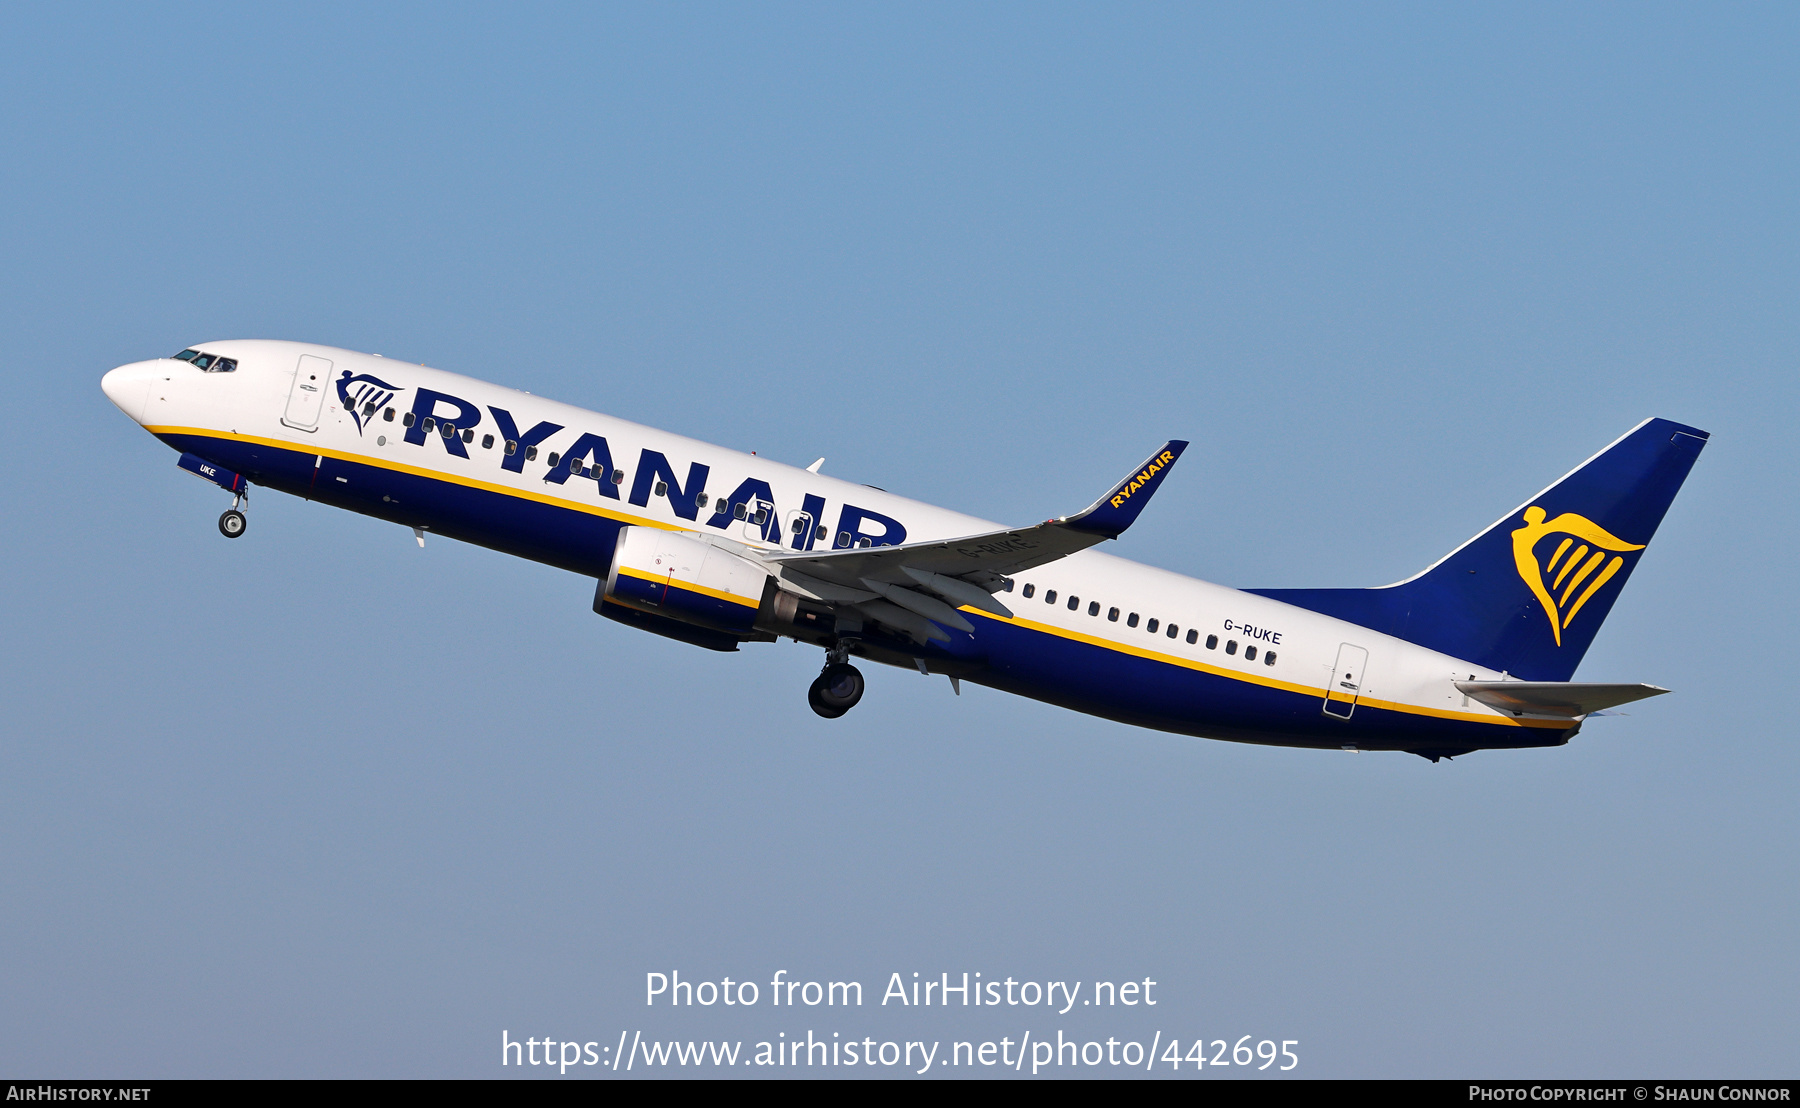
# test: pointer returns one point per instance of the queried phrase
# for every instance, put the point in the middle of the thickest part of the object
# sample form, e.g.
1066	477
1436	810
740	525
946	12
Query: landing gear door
306	399
1344	684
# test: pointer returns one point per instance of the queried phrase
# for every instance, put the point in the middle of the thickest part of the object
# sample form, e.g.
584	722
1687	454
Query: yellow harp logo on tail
1567	569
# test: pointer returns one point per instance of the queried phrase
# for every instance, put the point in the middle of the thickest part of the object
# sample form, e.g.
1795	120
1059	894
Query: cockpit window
209	363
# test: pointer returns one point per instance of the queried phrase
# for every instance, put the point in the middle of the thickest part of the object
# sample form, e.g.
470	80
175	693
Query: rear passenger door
1344	683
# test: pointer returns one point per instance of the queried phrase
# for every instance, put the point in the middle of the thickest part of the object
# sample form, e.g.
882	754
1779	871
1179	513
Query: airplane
717	548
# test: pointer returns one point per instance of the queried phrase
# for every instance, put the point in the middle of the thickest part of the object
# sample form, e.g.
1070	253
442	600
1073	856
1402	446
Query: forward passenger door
306	397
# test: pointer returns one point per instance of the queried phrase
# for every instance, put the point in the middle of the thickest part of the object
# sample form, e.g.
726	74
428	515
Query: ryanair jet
716	548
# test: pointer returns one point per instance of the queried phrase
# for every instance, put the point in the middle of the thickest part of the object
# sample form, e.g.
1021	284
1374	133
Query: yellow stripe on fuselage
1259	679
416	471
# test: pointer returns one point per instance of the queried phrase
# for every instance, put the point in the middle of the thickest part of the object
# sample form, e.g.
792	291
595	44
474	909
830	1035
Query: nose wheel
233	522
836	690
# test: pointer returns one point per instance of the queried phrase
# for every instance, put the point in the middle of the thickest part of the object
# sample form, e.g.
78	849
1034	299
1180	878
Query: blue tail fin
1527	595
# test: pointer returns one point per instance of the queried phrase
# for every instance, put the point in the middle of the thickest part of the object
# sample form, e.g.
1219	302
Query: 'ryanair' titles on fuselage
450	418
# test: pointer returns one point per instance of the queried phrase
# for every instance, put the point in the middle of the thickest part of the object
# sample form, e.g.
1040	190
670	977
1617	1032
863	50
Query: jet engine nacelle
676	576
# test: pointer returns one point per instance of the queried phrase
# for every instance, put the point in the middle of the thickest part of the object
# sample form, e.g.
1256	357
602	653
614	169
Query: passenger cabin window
1050	597
843	540
1007	587
531	453
1212	642
1173	630
1269	658
1131	620
468	435
1112	615
662	489
1074	603
1231	647
387	416
739	511
554	456
430	425
1151	627
487	442
406	420
1093	607
1249	654
702	498
1193	636
512	446
619	477
1030	591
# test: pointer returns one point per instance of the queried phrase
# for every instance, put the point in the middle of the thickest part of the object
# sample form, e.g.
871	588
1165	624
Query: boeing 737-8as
717	548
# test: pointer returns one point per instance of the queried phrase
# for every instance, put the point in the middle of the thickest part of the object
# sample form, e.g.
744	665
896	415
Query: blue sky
320	803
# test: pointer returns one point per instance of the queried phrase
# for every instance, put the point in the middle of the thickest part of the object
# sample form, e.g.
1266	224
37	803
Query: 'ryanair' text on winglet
1119	508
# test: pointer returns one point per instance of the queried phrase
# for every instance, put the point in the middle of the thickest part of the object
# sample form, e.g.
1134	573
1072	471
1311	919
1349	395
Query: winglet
1118	509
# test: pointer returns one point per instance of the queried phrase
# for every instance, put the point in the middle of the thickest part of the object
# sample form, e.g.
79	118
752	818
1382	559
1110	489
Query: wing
922	577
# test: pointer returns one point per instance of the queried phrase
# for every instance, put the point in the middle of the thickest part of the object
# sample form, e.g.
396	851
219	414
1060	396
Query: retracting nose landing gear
233	522
838	687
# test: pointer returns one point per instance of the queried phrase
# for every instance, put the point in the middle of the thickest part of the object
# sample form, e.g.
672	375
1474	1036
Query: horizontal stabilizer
1554	698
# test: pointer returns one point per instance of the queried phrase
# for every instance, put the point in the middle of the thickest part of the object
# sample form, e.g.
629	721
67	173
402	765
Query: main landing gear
838	687
233	522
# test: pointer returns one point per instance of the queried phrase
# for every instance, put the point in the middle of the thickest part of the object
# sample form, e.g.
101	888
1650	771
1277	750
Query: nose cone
129	387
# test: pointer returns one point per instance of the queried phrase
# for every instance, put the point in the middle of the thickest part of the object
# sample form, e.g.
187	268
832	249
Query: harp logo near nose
362	394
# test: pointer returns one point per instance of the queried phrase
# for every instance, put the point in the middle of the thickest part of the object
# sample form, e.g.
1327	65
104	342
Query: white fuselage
246	407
